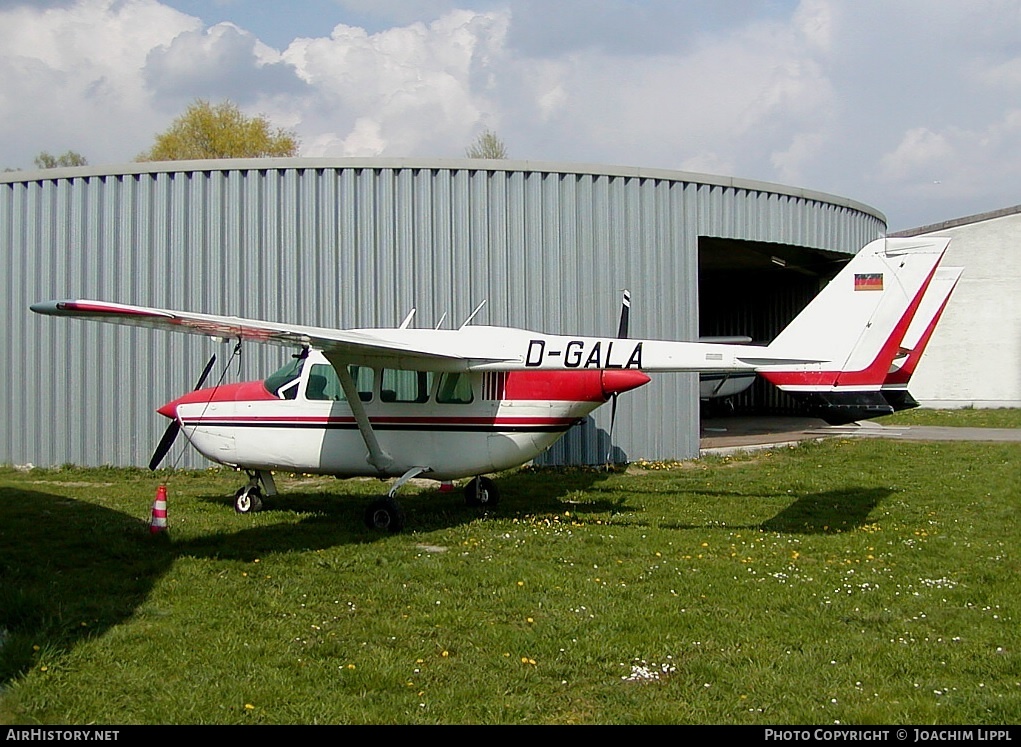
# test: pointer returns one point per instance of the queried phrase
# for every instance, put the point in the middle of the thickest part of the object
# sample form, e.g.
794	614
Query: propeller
170	434
622	332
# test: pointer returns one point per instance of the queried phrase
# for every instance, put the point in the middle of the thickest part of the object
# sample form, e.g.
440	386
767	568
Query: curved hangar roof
359	242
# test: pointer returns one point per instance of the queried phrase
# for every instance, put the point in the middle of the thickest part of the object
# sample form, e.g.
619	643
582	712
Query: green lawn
966	416
851	581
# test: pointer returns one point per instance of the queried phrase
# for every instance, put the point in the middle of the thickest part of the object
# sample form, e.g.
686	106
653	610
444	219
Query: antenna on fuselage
440	322
407	319
472	315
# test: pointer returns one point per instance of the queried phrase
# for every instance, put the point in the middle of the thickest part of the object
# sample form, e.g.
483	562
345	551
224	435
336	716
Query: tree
219	131
486	145
46	161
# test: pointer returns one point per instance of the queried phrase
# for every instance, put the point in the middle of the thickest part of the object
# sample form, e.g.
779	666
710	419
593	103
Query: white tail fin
856	325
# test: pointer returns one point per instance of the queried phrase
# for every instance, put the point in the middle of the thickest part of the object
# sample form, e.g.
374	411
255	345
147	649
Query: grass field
848	581
970	417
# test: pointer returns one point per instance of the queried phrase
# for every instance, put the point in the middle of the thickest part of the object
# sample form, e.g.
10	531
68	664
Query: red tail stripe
903	374
874	374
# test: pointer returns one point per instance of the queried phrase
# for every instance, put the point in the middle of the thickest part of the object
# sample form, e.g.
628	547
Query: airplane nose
615	381
169	410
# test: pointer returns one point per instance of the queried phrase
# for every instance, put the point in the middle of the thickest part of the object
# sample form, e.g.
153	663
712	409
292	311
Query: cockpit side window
283	383
324	384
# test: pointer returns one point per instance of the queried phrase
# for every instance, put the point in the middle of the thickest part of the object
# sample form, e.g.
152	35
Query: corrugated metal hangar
358	243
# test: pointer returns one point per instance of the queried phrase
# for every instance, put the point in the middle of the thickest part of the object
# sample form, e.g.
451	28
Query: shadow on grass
828	512
523	492
71	569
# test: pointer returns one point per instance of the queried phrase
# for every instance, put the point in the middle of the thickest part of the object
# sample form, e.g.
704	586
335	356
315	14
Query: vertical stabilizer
856	327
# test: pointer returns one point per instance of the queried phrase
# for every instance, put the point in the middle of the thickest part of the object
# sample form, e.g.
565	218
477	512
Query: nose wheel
248	499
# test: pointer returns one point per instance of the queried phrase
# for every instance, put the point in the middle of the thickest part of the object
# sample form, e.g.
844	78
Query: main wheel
481	491
386	515
248	499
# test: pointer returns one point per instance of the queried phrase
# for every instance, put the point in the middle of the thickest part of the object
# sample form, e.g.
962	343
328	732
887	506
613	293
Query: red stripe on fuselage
524	386
572	386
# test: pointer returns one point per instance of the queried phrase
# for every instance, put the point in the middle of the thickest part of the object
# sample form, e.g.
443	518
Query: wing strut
378	458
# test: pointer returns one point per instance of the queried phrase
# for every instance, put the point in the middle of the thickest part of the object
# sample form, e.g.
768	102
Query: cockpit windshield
283	383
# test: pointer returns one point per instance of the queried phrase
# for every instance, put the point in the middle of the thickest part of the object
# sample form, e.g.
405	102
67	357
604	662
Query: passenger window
405	386
364	380
455	388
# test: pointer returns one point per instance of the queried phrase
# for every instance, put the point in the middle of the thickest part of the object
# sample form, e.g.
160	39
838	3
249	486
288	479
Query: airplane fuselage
455	424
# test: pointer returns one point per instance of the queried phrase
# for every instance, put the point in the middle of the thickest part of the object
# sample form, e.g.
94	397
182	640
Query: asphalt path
746	433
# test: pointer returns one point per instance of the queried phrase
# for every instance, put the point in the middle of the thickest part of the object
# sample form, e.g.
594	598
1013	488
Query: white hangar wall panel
974	356
358	243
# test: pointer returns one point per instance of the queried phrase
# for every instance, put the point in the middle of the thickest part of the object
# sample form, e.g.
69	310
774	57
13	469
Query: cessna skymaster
447	404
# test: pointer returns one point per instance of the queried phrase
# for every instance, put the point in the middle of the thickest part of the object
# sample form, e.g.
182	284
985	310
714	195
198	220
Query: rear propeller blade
622	332
625	315
170	434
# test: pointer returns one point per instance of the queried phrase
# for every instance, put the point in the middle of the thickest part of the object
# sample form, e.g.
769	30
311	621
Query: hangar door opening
749	289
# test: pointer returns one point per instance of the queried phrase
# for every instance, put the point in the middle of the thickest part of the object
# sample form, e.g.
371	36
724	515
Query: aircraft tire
248	499
385	515
481	491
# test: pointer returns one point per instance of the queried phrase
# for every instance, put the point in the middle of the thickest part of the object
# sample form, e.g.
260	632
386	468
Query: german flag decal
870	281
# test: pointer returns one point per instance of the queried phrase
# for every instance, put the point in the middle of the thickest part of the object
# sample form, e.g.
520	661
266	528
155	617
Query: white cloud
222	62
921	150
962	163
869	100
71	77
421	87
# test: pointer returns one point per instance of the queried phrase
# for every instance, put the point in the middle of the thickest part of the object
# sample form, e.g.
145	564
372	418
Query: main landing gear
481	492
386	514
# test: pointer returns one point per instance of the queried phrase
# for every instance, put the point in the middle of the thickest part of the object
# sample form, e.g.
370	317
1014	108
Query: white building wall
974	356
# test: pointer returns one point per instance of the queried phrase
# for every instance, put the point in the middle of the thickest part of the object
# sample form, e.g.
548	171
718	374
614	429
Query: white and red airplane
449	404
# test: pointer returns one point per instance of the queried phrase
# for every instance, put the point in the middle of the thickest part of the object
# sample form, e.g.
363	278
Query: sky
912	107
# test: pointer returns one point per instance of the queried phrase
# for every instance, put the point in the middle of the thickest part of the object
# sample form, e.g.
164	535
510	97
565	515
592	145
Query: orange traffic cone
158	523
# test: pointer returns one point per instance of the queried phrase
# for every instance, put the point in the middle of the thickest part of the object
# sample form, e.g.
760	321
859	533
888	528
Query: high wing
364	347
470	348
849	332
